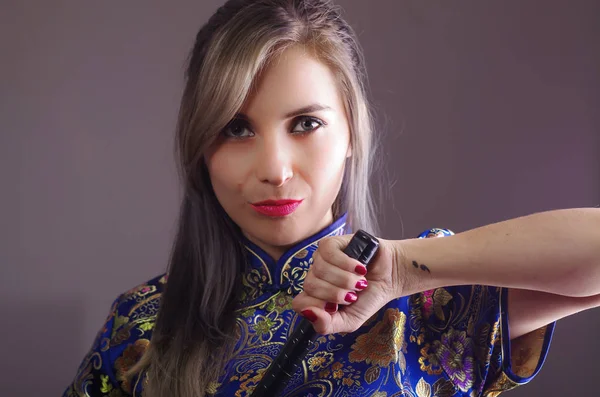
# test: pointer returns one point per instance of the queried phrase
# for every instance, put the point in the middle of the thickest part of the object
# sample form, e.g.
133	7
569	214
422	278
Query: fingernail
351	297
361	284
309	315
360	269
331	307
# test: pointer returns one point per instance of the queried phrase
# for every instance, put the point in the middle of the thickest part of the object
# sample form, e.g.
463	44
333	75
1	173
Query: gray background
489	109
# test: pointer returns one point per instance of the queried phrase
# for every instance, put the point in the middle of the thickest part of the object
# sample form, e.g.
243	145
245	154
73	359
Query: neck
275	251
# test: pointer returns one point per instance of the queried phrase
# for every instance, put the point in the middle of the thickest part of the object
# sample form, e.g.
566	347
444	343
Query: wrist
406	281
412	276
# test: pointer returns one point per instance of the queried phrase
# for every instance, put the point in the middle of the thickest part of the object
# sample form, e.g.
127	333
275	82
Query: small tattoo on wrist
422	267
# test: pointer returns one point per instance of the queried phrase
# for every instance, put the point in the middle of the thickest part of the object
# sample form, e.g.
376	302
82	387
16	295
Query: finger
326	292
348	319
336	276
323	322
313	310
331	250
320	319
303	301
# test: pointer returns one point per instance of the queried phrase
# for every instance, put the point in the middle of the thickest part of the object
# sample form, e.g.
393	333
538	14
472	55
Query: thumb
339	242
330	246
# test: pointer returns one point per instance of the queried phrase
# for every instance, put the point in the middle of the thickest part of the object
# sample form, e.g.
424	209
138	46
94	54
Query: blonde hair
195	331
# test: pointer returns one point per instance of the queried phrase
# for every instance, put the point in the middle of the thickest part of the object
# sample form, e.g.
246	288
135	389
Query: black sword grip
363	248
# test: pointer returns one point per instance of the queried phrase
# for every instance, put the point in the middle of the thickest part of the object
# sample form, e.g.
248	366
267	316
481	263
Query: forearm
555	251
531	310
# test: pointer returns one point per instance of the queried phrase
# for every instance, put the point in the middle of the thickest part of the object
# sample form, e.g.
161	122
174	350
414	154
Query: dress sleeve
515	362
95	376
463	335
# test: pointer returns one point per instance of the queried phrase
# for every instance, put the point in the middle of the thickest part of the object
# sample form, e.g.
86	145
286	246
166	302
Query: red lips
276	208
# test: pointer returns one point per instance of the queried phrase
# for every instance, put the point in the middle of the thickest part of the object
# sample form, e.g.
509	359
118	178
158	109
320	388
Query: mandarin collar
287	274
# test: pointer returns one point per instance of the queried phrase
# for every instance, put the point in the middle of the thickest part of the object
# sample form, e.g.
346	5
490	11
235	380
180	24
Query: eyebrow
315	107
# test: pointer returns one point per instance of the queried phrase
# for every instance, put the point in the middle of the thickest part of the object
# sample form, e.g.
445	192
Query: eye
307	124
237	129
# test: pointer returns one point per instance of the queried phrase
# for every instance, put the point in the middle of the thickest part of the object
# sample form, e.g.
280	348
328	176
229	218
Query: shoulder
132	318
136	310
121	342
136	299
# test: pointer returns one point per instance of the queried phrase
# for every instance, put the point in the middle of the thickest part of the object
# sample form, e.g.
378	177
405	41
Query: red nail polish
361	284
309	315
331	307
351	297
360	269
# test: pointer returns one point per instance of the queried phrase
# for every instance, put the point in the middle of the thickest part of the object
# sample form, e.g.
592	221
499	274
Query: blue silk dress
450	341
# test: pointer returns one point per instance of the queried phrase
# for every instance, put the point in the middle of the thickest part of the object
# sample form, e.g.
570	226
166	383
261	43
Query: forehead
293	79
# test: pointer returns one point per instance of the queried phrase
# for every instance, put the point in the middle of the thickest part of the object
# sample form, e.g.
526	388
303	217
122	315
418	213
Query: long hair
195	329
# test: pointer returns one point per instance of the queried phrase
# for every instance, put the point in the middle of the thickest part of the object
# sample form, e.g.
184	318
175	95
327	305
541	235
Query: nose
274	162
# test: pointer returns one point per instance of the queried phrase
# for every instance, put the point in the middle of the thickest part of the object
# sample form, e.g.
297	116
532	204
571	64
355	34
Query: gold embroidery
383	343
213	387
249	384
441	297
320	360
423	388
372	374
453	329
302	254
434	367
526	351
501	384
297	278
131	355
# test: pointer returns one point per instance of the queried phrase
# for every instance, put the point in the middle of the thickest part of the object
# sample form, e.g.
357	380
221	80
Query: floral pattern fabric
446	342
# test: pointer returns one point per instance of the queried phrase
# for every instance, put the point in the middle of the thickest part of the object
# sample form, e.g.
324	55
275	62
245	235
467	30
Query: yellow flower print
325	373
147	326
429	362
348	381
338	373
105	387
383	344
264	325
213	388
120	321
319	361
250	384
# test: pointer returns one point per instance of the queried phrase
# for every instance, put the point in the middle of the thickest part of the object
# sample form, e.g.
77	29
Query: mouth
276	208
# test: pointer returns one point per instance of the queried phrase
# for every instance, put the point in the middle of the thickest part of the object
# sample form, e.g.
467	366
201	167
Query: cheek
225	173
327	160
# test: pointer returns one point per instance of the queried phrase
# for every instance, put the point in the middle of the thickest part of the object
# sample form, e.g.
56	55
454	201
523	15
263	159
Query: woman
274	143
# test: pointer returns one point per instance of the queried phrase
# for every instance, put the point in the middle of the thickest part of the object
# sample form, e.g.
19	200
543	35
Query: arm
554	253
550	262
95	376
547	308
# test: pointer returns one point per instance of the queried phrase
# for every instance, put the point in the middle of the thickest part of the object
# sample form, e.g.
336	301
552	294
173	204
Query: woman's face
290	141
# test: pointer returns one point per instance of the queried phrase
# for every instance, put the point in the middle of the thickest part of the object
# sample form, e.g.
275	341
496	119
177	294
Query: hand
336	279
